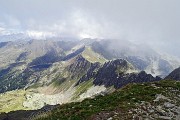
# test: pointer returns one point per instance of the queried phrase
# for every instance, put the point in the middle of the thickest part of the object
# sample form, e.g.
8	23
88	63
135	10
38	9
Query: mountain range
36	73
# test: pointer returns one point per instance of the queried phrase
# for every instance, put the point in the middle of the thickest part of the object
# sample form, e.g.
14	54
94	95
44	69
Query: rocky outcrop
78	67
90	74
174	75
119	72
115	73
163	108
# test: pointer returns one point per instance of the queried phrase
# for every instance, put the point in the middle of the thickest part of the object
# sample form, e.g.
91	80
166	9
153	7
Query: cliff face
119	72
115	73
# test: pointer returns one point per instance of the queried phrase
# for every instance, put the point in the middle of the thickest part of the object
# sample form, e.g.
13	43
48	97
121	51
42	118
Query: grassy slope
12	101
123	99
92	57
82	88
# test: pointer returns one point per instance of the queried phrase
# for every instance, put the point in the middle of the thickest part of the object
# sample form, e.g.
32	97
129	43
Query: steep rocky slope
119	73
174	75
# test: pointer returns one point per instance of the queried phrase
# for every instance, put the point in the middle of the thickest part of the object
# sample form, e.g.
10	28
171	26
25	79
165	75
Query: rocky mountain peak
78	67
119	66
174	75
119	72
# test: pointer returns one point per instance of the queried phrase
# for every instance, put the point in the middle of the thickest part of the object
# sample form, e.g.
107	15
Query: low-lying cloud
154	22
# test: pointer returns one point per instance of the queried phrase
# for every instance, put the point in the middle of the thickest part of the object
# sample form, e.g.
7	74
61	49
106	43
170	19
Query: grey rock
110	118
159	96
150	110
168	105
165	117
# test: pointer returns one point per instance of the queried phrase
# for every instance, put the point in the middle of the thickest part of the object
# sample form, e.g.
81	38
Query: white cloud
40	34
77	25
155	22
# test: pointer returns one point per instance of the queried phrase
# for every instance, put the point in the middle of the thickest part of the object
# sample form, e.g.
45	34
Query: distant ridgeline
25	63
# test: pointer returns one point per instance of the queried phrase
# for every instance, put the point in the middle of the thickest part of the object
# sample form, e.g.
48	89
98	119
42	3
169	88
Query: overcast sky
155	22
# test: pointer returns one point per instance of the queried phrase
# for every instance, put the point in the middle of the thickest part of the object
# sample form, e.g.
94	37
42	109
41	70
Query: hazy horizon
152	22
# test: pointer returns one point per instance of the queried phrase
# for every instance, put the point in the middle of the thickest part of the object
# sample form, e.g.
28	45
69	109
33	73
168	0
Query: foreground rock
147	101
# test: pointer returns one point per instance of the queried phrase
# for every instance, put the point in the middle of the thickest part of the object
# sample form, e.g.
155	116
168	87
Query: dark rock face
174	75
113	73
78	68
91	73
107	74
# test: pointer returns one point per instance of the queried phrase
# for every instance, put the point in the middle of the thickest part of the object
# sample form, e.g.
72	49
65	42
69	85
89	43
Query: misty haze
89	60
